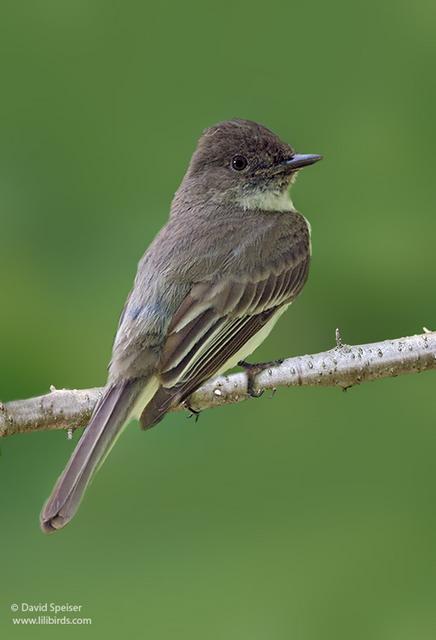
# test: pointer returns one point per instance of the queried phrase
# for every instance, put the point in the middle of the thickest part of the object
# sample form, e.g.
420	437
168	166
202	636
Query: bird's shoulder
238	242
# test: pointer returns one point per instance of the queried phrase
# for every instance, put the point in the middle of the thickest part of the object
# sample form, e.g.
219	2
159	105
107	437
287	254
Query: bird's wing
213	323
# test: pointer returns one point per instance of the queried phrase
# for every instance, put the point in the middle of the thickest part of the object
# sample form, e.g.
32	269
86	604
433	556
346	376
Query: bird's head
245	164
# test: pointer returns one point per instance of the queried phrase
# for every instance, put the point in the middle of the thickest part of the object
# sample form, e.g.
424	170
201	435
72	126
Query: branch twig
343	366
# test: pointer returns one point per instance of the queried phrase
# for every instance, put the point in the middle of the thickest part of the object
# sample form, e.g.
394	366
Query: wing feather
212	324
234	312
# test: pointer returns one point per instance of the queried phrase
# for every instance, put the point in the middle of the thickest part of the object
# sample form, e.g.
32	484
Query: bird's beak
300	160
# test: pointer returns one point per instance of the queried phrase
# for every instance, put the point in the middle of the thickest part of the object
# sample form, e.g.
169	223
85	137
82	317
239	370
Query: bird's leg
252	370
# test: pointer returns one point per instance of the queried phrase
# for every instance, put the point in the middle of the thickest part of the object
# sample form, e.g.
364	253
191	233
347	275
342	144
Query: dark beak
300	160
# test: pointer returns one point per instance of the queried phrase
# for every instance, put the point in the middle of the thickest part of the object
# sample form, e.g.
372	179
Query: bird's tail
117	406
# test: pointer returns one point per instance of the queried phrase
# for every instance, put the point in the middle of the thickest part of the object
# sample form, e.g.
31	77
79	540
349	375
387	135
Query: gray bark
342	366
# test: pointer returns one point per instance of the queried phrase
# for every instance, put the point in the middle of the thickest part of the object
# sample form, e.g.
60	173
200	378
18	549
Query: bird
232	257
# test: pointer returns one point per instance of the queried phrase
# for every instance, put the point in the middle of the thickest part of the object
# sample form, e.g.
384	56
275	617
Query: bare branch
343	366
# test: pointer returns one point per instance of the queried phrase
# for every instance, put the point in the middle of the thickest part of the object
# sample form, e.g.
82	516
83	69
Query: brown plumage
231	258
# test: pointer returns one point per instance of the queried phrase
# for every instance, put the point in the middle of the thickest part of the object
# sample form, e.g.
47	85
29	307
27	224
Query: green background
308	516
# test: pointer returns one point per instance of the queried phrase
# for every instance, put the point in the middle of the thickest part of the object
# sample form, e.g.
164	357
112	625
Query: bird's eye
239	163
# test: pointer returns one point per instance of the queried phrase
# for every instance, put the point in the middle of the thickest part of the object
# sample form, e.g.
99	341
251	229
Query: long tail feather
109	418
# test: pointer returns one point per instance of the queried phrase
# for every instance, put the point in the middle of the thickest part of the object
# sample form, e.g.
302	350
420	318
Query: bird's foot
252	371
193	413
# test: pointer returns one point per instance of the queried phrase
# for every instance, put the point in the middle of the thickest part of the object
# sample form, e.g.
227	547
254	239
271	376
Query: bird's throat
268	201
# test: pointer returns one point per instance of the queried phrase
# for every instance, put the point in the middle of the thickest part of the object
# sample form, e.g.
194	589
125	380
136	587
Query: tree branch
343	366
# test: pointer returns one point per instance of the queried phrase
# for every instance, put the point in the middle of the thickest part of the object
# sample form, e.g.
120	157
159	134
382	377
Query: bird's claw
193	413
252	370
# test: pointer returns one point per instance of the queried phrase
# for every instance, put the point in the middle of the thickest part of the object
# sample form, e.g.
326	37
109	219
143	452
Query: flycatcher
232	257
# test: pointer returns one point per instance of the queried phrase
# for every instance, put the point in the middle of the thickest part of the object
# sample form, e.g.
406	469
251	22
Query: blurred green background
308	516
